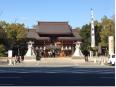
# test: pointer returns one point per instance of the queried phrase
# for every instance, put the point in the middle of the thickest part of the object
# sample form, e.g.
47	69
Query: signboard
9	53
111	45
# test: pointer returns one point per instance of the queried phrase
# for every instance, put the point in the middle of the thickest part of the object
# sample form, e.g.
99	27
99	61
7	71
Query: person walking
86	53
37	52
15	54
53	53
21	53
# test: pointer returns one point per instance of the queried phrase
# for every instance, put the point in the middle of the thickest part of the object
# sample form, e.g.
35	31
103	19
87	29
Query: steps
56	60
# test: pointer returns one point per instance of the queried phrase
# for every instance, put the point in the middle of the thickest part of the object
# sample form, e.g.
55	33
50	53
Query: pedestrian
86	53
53	53
49	53
15	54
37	52
42	53
21	53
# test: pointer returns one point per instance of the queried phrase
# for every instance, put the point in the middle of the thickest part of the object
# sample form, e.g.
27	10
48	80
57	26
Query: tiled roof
53	28
32	34
76	33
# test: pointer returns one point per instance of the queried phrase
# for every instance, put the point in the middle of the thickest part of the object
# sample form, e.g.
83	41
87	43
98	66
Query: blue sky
76	12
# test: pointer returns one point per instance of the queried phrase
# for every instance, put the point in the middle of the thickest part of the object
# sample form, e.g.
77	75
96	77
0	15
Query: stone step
61	60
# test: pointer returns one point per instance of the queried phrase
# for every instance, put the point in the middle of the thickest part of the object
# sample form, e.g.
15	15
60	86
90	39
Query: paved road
60	76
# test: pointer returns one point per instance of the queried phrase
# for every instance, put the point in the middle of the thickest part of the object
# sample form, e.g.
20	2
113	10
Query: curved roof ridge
52	21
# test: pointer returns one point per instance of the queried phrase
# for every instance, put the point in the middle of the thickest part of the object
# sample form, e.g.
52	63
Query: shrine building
58	36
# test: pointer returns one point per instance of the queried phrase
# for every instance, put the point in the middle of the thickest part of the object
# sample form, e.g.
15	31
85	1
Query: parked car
112	59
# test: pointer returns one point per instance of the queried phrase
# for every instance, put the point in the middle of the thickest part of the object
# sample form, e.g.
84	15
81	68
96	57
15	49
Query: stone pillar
92	32
111	45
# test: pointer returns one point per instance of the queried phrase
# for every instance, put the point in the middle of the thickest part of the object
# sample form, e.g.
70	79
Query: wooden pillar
73	48
62	50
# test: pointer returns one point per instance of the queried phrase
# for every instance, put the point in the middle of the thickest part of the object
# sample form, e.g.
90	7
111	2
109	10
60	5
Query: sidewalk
57	62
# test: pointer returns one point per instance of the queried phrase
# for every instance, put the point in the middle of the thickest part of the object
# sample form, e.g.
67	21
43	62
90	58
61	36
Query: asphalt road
60	76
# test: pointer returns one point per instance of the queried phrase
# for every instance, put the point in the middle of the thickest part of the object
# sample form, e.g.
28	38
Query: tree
16	31
85	34
103	29
107	30
2	50
3	35
11	34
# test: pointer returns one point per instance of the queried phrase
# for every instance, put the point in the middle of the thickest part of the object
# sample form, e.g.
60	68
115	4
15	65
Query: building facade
54	36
